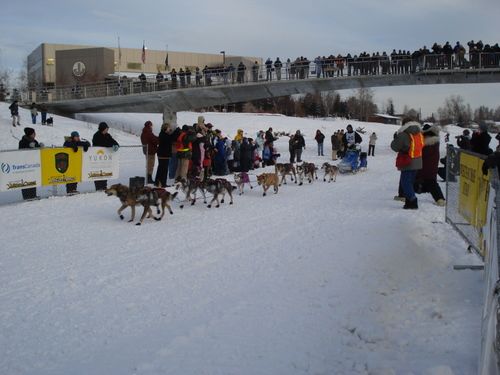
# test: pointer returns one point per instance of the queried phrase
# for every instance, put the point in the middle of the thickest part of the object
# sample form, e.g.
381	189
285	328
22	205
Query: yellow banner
474	190
61	166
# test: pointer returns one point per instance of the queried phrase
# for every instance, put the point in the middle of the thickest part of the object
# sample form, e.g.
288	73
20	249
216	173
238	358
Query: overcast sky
265	28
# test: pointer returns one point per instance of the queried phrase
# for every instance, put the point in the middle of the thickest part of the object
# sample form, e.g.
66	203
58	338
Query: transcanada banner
20	170
100	163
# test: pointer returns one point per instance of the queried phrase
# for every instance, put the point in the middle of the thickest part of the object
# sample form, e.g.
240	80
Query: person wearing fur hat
74	142
149	147
480	141
408	143
103	139
28	141
426	180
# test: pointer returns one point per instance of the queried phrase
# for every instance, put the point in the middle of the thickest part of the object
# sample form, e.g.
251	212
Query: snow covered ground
318	279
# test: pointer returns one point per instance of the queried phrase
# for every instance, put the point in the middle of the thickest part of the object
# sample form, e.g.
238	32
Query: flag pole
119	63
166	65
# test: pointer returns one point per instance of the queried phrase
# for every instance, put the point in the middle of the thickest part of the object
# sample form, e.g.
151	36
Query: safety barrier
293	70
49	169
472	202
466	196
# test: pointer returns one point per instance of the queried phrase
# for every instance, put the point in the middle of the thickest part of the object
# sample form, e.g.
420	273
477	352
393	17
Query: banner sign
19	169
100	163
61	166
474	190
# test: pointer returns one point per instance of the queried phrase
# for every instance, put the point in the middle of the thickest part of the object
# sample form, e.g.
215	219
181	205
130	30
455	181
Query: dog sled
350	162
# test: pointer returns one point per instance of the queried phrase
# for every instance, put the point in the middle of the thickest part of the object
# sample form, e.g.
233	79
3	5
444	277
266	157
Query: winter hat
29	131
74	134
103	126
148	123
430	129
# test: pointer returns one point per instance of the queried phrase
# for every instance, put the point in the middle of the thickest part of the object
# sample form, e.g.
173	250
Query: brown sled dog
146	196
307	170
267	180
284	169
330	170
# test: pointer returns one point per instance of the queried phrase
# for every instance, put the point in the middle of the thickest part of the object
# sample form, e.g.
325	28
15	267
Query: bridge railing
293	70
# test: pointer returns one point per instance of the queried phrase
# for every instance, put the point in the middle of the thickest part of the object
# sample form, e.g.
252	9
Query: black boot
411	205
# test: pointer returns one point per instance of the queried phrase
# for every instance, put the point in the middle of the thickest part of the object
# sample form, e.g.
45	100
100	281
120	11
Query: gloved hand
75	148
85	147
115	148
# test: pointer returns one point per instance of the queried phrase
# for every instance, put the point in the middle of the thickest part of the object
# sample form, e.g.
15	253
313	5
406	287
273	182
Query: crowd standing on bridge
439	56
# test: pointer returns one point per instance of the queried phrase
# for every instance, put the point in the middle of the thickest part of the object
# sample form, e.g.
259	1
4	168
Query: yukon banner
19	170
61	166
474	190
100	163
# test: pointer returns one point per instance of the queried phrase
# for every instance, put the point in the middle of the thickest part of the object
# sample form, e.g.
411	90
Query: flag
143	53
166	62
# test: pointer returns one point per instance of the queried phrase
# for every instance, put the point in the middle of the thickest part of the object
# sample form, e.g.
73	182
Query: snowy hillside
320	279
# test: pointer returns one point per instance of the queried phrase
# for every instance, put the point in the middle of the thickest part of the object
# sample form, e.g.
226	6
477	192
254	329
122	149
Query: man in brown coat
149	147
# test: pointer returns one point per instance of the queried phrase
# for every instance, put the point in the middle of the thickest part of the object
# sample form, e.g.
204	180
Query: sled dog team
149	197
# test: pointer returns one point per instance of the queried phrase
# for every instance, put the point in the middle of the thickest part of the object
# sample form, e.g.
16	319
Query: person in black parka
28	141
246	151
74	142
166	138
480	142
103	139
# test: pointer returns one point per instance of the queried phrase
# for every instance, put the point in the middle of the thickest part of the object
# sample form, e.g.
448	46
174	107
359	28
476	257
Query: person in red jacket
426	180
150	146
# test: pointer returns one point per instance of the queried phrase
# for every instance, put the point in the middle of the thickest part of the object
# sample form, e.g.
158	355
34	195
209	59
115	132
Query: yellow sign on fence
61	166
474	190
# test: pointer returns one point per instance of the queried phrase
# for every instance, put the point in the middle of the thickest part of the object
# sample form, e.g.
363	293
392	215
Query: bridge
168	98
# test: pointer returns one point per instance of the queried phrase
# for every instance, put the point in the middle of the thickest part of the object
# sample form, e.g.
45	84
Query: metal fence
489	361
484	241
132	163
294	70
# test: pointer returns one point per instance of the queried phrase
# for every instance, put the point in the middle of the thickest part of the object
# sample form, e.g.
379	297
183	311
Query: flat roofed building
43	63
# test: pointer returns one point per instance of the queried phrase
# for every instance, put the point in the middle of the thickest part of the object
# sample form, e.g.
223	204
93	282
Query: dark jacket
401	143
430	158
246	156
26	142
150	140
74	145
103	140
335	142
463	142
357	138
320	137
14	109
297	142
165	141
269	137
480	143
